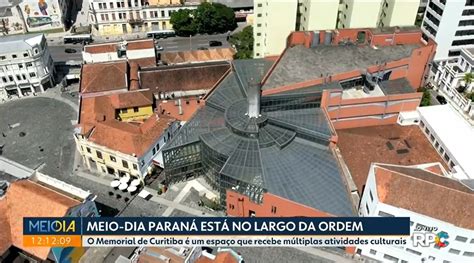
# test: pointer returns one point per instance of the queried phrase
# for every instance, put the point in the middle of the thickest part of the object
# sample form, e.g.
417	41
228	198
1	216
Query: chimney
253	93
134	81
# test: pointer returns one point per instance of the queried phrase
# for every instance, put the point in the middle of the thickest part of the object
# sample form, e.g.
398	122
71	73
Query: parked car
441	99
214	43
159	48
70	50
203	48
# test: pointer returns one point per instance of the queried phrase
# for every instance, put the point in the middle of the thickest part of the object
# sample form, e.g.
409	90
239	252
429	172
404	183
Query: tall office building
451	25
275	19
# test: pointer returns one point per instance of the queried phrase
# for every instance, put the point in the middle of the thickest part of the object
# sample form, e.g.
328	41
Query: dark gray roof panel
307	175
227	93
396	86
248	69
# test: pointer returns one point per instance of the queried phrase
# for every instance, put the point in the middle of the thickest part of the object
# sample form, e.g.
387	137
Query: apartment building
448	78
26	66
274	20
451	25
115	17
432	201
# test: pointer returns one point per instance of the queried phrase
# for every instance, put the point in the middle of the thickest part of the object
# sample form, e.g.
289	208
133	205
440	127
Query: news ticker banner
214	231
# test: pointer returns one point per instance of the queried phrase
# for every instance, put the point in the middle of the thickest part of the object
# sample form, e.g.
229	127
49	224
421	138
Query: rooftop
112	47
263	152
235	3
298	62
214	54
97	121
16	43
391	144
101	77
412	188
396	86
183	77
25	198
454	132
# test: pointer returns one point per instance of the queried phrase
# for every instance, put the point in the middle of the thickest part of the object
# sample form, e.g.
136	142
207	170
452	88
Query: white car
159	48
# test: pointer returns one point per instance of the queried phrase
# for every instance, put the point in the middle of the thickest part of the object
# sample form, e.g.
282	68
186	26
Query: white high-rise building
451	25
26	66
275	19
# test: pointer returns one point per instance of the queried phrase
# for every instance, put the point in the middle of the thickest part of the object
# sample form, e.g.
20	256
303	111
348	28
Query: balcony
136	21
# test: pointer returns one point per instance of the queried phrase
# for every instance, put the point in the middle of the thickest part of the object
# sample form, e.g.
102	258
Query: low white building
125	50
430	200
451	134
26	66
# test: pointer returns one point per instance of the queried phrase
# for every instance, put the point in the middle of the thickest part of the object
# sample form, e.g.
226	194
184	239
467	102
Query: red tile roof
172	110
362	146
97	121
112	47
26	198
100	77
426	193
214	54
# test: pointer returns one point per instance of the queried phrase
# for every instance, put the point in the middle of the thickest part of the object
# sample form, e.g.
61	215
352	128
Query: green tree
183	22
426	99
243	42
214	18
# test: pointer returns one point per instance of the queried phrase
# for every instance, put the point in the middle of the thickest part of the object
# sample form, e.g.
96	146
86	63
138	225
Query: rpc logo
426	239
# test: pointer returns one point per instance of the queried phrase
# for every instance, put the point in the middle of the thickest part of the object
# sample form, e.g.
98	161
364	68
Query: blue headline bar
196	226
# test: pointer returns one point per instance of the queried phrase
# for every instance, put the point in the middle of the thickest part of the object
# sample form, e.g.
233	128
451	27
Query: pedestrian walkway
185	191
157	199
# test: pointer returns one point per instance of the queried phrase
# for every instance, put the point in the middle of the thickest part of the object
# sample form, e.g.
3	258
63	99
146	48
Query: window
454	251
135	109
383	214
468	254
463	42
32	74
231	206
4	79
112	158
124	164
472	241
113	17
371	196
259	25
274	209
441	150
391	258
422	124
99	154
468	12
123	110
259	15
23	76
461	239
373	252
134	166
454	53
111	4
88	149
3	57
258	44
14	56
10	78
259	34
29	64
18	77
153	151
466	22
20	65
162	13
446	157
413	251
259	5
432	18
25	55
436	8
157	146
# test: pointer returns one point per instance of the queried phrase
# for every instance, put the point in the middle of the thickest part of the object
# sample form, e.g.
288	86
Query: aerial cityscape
237	109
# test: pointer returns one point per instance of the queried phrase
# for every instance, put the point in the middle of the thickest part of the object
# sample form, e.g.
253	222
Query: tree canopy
208	18
243	42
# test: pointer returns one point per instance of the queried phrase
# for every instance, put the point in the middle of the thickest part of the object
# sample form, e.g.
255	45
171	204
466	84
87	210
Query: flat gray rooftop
300	64
396	86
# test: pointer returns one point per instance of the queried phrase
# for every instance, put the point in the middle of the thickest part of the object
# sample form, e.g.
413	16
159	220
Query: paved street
59	55
185	43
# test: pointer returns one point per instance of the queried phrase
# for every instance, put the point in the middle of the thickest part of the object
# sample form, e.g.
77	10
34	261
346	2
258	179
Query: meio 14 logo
424	236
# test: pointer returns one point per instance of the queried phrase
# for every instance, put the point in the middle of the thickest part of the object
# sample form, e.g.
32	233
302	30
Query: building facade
442	211
448	78
26	66
133	16
450	24
274	20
